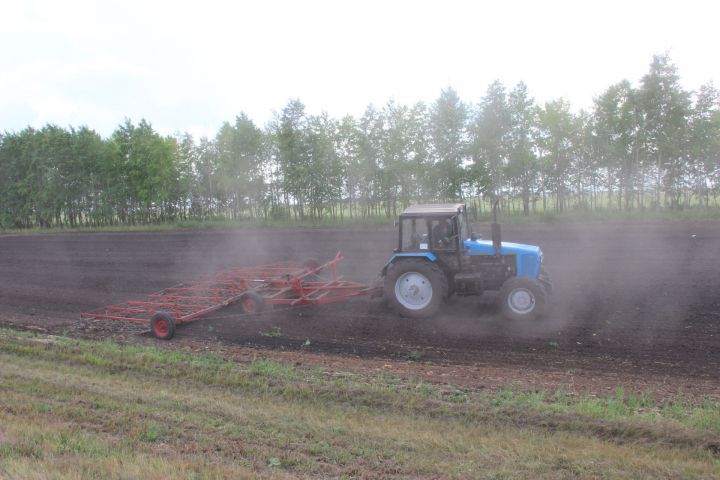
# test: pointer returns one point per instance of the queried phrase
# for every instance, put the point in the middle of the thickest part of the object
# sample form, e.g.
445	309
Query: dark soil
636	305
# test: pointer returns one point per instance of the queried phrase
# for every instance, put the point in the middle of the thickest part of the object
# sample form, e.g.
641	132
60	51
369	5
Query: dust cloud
644	289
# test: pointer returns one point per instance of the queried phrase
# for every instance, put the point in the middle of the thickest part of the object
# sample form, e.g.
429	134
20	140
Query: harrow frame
254	288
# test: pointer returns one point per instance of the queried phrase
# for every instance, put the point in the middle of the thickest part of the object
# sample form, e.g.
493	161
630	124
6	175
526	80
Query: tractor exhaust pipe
495	230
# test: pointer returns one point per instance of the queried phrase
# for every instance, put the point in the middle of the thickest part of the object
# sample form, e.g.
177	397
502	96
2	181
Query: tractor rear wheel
162	325
522	298
415	288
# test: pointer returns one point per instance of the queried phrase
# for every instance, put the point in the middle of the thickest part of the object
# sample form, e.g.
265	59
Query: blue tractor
437	256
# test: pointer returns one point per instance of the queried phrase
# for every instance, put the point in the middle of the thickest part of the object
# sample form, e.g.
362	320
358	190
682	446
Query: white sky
189	66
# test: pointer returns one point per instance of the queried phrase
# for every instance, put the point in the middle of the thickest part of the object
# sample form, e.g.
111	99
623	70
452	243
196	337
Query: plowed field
635	305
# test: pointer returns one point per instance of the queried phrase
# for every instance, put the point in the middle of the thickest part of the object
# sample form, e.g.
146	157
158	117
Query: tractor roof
441	209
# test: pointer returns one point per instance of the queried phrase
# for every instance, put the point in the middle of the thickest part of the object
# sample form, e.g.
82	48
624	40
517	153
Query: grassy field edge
97	408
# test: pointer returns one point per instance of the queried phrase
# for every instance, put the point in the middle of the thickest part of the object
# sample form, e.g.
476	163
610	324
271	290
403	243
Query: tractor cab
432	228
437	256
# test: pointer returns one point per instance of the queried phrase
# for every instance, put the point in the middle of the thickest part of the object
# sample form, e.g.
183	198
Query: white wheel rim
413	290
521	301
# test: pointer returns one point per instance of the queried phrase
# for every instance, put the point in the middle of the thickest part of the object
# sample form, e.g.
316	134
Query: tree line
647	147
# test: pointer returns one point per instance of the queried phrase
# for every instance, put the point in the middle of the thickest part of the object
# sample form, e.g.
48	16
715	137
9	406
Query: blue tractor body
528	258
437	256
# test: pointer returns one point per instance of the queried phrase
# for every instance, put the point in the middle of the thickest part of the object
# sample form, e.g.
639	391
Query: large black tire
251	302
522	298
162	325
415	287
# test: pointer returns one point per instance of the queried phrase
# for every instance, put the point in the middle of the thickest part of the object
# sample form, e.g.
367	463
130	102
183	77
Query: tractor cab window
414	234
444	235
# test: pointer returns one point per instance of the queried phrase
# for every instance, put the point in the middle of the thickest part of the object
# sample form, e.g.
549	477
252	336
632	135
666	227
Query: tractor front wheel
415	288
522	298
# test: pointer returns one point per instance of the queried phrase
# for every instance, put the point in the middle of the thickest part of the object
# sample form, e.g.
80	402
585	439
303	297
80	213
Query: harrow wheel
251	302
162	325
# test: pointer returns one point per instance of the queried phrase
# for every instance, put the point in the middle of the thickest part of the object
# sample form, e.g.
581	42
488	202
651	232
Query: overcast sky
189	66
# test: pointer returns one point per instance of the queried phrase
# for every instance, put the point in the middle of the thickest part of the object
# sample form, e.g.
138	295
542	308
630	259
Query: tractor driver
442	233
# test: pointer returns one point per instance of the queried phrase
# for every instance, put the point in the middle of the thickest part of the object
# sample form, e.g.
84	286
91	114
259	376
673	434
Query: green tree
17	172
145	173
705	143
370	152
522	168
616	124
207	168
448	117
556	132
349	138
294	156
489	133
665	108
239	148
403	155
327	174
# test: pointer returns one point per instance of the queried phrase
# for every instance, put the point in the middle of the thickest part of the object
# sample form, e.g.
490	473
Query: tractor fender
428	255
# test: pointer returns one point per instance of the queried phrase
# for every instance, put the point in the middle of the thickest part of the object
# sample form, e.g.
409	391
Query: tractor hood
485	247
528	257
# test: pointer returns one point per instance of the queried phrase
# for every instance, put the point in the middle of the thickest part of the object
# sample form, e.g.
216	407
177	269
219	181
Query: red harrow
252	288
